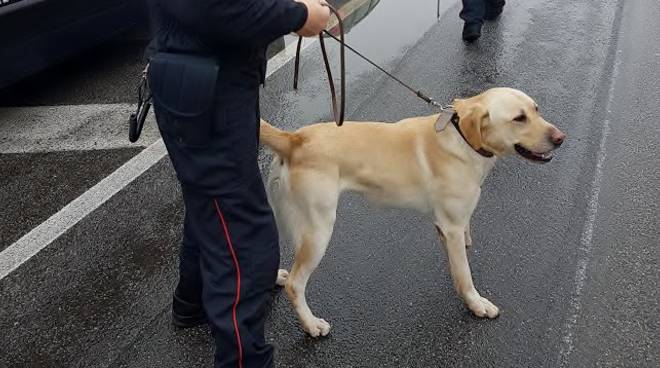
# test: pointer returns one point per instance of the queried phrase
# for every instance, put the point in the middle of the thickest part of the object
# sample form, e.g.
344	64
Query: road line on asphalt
59	223
44	234
586	240
284	56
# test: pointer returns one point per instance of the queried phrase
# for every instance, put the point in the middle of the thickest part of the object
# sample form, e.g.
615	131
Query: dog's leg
309	255
314	212
468	235
461	275
275	191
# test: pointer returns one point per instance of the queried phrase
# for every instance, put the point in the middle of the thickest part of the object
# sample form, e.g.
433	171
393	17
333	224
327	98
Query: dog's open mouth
531	155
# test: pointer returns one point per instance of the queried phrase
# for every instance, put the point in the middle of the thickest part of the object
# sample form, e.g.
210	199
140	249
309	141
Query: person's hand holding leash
318	16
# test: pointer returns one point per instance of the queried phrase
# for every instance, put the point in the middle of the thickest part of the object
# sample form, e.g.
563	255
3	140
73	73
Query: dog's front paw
482	307
316	327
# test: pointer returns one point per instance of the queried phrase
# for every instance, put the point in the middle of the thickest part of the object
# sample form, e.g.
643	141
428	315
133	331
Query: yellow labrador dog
435	164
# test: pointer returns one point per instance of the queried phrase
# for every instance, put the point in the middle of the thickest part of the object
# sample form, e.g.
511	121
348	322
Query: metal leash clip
136	120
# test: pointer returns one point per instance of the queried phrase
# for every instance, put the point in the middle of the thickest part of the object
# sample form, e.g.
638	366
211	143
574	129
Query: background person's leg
473	14
473	11
493	9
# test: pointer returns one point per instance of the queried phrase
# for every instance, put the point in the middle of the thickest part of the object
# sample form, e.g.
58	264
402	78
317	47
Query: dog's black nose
557	137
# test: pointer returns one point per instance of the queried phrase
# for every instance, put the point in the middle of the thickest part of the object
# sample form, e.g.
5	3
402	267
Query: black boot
471	31
187	315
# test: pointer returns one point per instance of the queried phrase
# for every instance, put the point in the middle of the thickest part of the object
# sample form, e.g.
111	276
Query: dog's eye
521	118
536	107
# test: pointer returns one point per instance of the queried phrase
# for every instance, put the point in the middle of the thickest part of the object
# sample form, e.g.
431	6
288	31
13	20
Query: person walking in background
474	12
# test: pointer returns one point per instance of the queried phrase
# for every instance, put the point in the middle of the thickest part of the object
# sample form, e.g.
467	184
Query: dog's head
505	120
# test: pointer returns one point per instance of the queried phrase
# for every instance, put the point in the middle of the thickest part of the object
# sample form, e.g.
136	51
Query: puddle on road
391	27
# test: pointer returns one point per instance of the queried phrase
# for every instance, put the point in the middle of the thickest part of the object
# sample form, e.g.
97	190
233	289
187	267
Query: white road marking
586	240
44	234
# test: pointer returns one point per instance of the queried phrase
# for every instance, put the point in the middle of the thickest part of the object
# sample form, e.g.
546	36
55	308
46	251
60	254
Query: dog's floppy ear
471	113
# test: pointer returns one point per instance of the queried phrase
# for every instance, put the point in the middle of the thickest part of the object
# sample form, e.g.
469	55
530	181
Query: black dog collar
454	120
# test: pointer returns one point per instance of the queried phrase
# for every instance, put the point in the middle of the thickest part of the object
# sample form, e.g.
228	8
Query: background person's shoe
471	31
187	315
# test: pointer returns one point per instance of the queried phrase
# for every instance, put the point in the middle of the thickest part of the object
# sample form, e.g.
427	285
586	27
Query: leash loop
337	111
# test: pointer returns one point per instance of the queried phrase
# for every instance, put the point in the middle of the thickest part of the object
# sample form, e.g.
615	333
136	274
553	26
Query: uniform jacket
236	32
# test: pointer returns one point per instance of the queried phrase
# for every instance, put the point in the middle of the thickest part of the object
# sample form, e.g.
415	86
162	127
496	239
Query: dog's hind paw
317	327
282	275
482	307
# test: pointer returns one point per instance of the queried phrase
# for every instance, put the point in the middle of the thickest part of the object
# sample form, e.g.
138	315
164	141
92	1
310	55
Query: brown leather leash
337	111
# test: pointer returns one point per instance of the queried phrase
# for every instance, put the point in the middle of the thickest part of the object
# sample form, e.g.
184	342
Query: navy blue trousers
230	252
476	10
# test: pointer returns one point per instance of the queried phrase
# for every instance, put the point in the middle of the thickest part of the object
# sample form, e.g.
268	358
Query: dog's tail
281	142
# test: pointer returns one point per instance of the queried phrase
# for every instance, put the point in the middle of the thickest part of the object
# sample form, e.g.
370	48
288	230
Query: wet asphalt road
568	250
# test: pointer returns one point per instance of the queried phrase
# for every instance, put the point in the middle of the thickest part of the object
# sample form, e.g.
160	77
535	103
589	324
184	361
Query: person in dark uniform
206	63
474	12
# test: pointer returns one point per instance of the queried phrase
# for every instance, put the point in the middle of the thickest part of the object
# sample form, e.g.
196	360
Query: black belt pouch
183	90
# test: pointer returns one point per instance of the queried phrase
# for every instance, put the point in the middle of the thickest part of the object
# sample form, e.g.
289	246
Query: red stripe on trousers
238	281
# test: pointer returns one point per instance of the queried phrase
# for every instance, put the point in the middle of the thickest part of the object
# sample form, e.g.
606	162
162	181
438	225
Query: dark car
35	34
